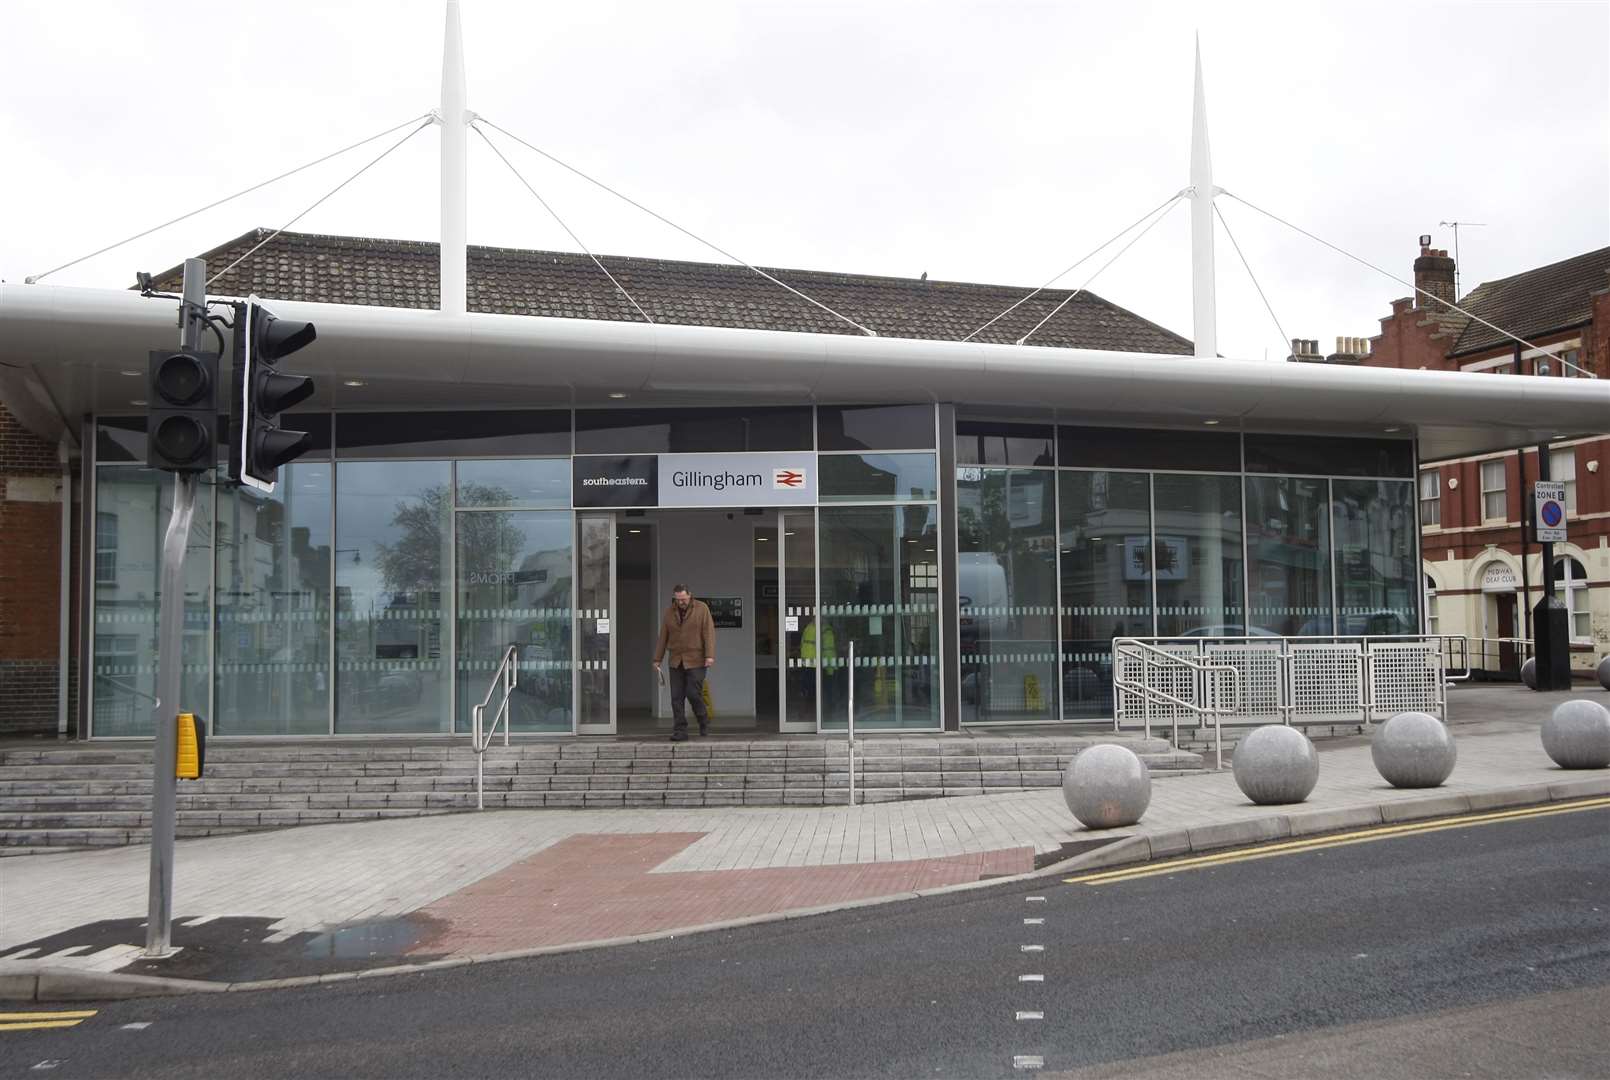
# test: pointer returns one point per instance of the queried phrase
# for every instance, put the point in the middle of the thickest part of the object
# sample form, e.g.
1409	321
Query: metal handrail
1211	672
508	677
130	688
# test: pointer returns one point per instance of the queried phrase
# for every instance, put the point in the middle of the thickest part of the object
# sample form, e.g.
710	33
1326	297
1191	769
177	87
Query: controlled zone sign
1549	498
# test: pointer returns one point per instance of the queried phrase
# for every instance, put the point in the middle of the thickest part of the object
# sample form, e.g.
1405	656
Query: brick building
1483	575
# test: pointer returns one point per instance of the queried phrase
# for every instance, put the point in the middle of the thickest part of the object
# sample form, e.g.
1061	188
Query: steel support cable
1386	273
1094	252
555	215
320	200
685	232
228	198
1171	204
1248	266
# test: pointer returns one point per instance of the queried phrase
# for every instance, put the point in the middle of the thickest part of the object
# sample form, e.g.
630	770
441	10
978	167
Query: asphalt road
1346	961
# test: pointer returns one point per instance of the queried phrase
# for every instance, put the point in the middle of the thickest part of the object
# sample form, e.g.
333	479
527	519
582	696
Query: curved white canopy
64	351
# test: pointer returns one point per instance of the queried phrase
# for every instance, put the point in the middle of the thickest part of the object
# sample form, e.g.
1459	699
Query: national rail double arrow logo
790	479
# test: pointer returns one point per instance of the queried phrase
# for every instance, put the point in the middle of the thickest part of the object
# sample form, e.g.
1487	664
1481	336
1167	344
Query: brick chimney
1433	272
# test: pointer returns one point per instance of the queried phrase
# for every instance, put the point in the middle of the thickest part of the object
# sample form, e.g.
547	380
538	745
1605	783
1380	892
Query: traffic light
258	445
182	399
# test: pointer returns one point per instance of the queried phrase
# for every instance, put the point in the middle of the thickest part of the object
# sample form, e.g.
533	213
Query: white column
454	118
1204	306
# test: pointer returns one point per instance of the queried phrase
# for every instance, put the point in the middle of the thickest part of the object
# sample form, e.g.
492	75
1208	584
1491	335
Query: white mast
454	115
1204	305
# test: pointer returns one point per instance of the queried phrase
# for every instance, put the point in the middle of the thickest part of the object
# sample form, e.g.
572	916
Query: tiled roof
1534	303
404	273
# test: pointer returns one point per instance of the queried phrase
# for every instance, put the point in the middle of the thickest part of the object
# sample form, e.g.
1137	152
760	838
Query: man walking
688	633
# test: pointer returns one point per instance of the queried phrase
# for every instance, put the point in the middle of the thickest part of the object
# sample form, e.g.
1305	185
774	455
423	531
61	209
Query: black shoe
679	736
704	729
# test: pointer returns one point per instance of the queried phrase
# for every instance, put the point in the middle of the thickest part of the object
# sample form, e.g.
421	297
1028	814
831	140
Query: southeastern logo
787	479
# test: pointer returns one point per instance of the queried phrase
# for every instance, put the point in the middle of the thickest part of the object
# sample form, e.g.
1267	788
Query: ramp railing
1176	684
506	678
1286	680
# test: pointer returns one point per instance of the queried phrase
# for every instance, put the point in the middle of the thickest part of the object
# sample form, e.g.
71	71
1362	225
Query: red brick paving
593	886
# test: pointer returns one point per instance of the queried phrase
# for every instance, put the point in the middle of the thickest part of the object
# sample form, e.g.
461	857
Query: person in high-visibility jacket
807	651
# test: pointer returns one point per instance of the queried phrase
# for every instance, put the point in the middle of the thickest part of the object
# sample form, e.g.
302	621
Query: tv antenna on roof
1457	266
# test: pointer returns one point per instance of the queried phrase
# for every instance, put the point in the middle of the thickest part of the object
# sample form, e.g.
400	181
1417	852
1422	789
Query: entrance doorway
756	569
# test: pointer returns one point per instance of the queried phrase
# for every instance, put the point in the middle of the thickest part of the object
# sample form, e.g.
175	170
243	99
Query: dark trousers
687	684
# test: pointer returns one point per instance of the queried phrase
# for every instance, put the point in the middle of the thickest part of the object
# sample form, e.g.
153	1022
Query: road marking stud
1031	978
138	1025
1024	1015
1027	1061
1031	948
1295	847
1034	899
1033	922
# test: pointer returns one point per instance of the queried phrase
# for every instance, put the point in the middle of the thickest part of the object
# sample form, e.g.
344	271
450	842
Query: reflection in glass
132	505
394	538
480	432
690	430
880	591
526	482
1006	583
1106	586
876	477
514	582
1377	573
1197	556
1288	552
999	442
800	621
273	649
875	427
595	569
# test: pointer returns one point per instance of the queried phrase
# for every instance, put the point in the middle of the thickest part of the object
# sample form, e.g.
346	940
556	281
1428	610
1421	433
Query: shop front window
1288	555
1377	567
1196	556
1105	532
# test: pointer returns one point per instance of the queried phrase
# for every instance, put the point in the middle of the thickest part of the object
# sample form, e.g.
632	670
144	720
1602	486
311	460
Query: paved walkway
507	880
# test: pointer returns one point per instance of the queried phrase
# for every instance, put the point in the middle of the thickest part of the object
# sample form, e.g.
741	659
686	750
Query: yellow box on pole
187	764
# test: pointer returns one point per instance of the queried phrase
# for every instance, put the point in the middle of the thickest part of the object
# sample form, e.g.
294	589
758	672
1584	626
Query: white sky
977	142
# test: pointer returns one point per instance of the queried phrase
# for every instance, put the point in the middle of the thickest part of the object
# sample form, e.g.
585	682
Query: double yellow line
1363	836
34	1021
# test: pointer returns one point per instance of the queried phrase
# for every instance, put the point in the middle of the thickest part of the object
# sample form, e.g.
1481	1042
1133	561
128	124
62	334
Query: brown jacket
690	638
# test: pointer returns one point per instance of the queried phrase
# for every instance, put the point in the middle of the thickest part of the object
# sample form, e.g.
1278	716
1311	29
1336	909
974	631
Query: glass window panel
875	427
119	439
880	591
1494	497
876	478
394	537
481	433
1377	572
693	430
1288	555
132	506
528	482
1430	498
1329	456
514	578
1562	469
990	442
1006	537
1573	582
1197	560
273	647
1106	589
1136	448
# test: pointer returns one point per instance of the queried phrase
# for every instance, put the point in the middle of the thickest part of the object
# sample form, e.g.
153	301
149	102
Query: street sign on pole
1549	498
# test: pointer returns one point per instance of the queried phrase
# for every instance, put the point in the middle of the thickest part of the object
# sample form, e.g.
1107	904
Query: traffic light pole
170	648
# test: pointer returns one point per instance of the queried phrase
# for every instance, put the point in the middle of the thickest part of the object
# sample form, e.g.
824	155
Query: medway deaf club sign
648	480
775	479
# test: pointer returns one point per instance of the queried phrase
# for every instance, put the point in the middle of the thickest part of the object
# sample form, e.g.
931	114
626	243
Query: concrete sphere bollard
1107	786
1604	672
1413	750
1529	674
1276	764
1577	736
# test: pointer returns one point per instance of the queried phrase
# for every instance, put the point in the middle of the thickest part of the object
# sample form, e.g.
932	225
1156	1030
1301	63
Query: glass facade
273	606
1006	579
393	558
375	591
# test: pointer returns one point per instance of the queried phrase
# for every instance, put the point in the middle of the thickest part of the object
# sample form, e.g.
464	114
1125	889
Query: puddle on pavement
390	937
